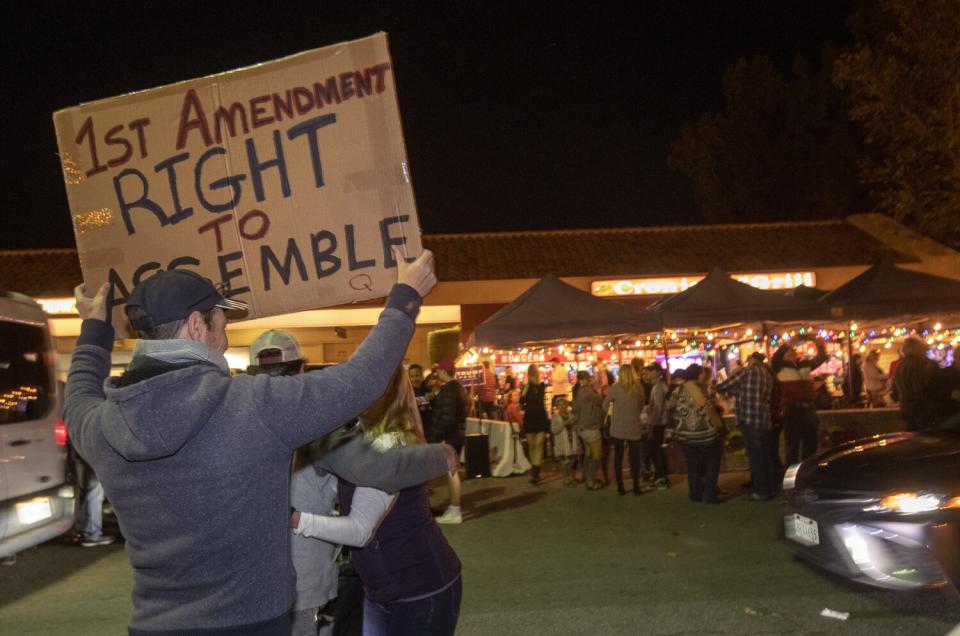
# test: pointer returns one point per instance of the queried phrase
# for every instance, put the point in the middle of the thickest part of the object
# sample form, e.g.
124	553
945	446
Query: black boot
535	476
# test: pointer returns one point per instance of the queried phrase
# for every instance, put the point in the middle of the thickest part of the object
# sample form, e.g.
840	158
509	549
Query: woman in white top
875	381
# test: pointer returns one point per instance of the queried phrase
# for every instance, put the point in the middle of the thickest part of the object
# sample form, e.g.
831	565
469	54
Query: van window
24	376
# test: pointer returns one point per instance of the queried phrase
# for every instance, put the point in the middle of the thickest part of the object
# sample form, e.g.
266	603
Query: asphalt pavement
555	560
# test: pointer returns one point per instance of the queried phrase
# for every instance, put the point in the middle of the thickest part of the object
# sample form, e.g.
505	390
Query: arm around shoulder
304	407
360	463
367	510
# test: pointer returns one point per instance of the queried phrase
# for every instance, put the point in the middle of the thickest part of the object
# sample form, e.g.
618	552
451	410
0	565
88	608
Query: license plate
802	529
38	509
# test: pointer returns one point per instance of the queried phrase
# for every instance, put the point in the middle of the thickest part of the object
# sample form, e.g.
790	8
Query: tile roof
644	251
39	273
651	251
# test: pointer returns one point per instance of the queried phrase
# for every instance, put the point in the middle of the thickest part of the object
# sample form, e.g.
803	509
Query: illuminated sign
676	284
58	306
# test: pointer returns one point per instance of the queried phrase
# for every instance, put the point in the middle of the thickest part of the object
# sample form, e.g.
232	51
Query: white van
36	501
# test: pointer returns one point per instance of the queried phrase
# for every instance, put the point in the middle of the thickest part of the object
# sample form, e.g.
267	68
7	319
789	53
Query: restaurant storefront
480	273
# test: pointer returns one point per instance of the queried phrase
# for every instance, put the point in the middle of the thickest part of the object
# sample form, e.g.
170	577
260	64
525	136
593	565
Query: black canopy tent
553	310
886	292
720	300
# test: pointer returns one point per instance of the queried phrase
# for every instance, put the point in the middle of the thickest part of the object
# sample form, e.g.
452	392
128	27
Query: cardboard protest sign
286	181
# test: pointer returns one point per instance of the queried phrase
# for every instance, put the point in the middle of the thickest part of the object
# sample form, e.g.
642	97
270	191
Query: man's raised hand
419	274
96	306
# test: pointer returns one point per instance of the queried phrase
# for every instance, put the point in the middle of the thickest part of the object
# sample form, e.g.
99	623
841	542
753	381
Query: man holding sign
197	463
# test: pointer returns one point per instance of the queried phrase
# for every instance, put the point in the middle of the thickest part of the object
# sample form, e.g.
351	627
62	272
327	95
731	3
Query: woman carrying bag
699	429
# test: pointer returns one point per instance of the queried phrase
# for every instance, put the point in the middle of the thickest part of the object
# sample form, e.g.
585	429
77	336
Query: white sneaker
92	543
450	516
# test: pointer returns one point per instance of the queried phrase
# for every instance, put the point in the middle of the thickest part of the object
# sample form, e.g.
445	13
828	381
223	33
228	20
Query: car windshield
24	377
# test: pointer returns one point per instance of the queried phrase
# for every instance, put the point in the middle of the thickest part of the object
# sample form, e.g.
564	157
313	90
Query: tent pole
766	341
848	381
666	354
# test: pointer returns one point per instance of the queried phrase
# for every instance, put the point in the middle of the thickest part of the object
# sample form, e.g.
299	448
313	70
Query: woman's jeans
703	470
633	447
434	615
801	430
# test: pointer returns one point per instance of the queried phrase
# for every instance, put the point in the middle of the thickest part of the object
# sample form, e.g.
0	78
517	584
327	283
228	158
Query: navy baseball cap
173	295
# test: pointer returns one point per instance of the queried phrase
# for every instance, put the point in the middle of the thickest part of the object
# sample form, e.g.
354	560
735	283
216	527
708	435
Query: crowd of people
638	411
582	423
224	537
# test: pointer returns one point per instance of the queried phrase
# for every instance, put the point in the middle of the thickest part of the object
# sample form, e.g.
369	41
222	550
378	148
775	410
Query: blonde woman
535	422
628	398
410	574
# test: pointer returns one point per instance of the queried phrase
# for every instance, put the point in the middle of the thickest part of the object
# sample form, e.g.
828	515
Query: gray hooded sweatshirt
196	464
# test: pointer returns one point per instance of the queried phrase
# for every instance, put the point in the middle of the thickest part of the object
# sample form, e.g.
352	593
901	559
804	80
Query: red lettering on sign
381	71
138	125
111	139
191	104
327	93
346	85
303	100
215	226
364	83
283	105
86	132
264	225
228	116
258	113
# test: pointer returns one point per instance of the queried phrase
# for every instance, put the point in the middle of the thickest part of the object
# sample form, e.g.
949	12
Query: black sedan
883	510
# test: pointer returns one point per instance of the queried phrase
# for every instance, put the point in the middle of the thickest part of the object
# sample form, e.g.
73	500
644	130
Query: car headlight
790	477
909	503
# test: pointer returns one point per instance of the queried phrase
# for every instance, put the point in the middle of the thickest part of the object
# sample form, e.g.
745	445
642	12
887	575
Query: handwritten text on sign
286	181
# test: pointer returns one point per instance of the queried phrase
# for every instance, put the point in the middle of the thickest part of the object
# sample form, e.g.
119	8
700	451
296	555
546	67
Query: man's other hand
94	307
453	460
419	274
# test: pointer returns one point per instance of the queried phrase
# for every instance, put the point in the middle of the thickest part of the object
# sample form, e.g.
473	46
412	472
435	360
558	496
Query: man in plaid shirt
753	386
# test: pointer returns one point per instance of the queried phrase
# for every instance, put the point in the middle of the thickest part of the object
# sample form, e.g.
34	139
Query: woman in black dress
536	425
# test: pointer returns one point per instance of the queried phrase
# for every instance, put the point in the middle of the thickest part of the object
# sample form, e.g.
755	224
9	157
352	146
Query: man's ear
194	328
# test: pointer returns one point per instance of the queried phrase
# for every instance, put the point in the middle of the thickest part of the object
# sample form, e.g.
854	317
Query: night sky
541	116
